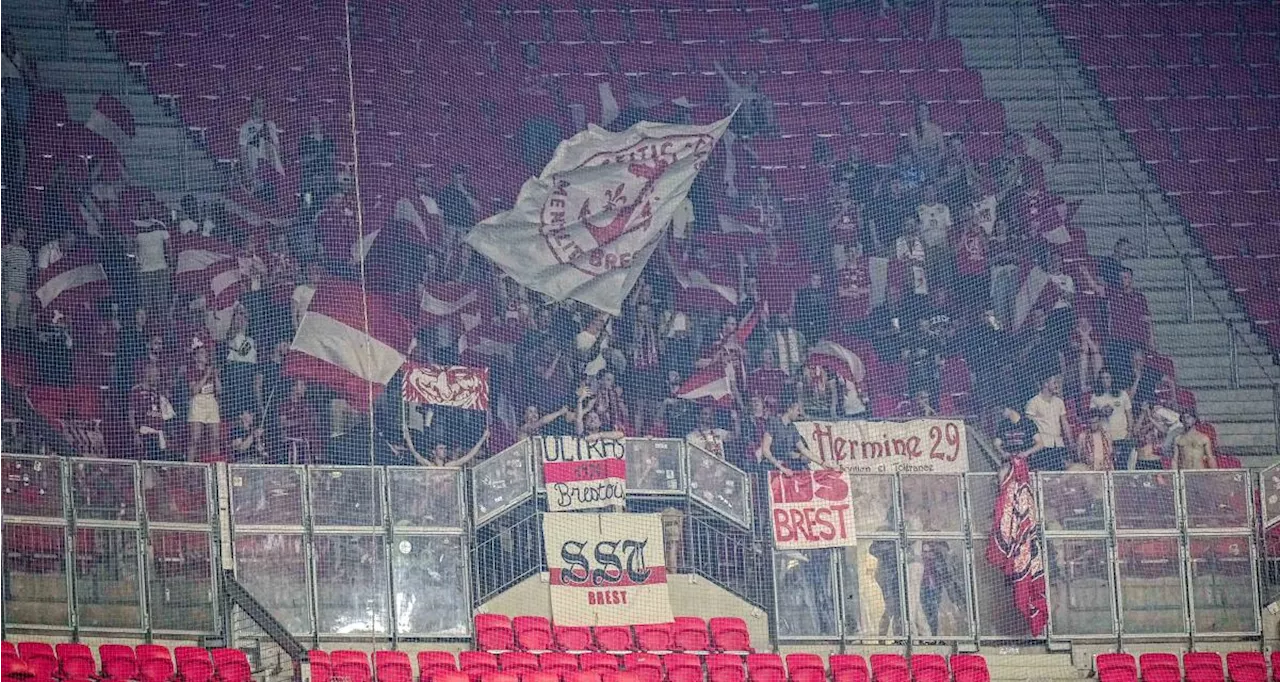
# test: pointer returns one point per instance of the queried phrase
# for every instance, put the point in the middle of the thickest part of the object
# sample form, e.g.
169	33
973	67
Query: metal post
1234	354
1275	403
1060	97
1102	164
1146	227
1188	303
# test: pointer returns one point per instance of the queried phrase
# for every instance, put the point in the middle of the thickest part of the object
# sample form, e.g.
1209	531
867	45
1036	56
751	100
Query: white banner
937	446
586	226
812	510
582	474
606	569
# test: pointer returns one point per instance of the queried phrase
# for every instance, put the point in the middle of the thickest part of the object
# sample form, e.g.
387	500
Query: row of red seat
518	666
1242	666
498	633
74	662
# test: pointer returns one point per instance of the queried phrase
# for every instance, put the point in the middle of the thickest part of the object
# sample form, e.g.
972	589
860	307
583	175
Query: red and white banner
582	474
936	446
606	569
812	510
586	226
73	281
1014	547
463	387
716	382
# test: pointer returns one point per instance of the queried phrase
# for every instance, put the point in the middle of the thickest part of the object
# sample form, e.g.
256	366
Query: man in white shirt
15	277
935	218
1049	413
259	140
152	255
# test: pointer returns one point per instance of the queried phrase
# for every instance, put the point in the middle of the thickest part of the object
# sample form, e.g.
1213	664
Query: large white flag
586	226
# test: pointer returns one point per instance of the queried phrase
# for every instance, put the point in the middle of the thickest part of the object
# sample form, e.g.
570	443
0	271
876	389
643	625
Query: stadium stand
1067	250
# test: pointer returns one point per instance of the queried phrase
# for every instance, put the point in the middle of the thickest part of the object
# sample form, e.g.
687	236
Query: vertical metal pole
1060	104
1146	227
1188	303
69	553
1234	354
1102	164
1275	403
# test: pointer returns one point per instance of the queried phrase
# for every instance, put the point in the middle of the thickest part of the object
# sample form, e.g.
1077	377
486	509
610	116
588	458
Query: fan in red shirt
973	273
1130	321
149	412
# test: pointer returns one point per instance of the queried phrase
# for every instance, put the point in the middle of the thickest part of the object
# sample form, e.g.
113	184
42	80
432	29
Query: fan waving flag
717	381
586	226
349	340
74	280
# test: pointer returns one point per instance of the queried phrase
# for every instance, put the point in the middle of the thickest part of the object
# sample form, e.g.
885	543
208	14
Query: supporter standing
248	444
1131	328
1094	445
15	278
781	445
1017	436
1116	406
149	412
1049	413
259	140
152	256
710	437
204	383
1192	449
240	364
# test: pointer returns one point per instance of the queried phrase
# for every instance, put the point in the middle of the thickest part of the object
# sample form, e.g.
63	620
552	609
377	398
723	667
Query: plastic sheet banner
922	446
812	510
462	387
583	474
606	569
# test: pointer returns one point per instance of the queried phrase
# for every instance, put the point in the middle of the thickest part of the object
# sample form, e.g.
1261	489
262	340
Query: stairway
1215	352
74	58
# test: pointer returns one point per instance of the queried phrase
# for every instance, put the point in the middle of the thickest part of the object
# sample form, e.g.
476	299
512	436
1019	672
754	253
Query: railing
387	553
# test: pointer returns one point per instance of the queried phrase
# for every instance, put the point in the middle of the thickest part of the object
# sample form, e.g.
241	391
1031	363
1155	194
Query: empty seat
194	664
431	663
540	676
724	668
233	666
581	676
1159	668
493	632
533	633
730	634
597	661
969	668
76	661
454	676
689	633
889	668
40	658
476	663
1247	666
614	638
572	638
517	662
392	666
1203	666
655	637
848	668
494	676
118	662
557	662
155	664
765	668
646	667
929	668
350	665
682	668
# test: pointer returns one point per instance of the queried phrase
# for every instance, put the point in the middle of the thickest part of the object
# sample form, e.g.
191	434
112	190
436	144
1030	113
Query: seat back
40	658
155	669
889	668
572	638
730	634
581	676
656	637
352	666
493	632
1159	667
517	662
321	665
76	661
474	663
929	668
533	633
1203	666
614	638
556	662
598	662
765	668
196	669
1247	666
969	668
392	666
118	662
647	667
231	665
690	634
682	668
431	663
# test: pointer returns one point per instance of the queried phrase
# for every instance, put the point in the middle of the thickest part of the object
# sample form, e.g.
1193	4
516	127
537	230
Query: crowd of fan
918	267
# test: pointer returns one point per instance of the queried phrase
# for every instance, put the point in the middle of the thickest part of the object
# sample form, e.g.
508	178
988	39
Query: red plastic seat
730	634
557	662
848	668
194	665
453	676
655	638
572	638
232	665
614	638
392	666
494	633
581	676
619	676
1119	667
1247	666
647	667
689	634
598	662
970	668
517	662
682	668
476	663
351	665
765	668
431	663
725	668
929	668
1203	666
40	658
76	661
533	633
539	676
154	663
321	665
889	668
118	662
1159	668
494	676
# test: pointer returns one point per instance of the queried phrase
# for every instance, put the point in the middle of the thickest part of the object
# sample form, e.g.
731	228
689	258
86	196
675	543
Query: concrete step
85	76
1251	375
1256	437
1202	334
1236	404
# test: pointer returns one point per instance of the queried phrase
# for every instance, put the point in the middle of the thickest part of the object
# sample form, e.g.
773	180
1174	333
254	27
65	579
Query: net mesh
232	228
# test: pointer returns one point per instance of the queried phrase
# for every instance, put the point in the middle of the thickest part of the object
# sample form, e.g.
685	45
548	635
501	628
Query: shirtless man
1192	449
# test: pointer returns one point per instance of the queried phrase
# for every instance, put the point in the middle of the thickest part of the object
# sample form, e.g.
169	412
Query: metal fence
389	553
